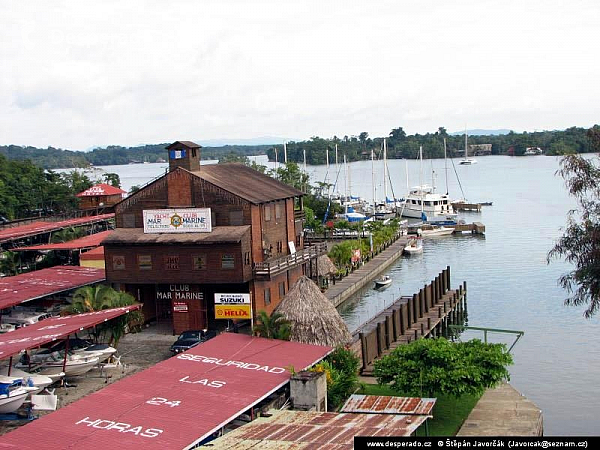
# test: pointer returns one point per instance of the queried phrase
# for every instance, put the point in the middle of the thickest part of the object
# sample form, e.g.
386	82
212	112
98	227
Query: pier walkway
365	274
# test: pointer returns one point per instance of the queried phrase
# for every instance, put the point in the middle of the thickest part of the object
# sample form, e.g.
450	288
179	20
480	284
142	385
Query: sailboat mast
466	152
384	173
445	166
284	153
421	179
373	178
346	183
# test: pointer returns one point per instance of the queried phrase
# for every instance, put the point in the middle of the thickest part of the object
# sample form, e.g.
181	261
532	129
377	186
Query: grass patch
449	413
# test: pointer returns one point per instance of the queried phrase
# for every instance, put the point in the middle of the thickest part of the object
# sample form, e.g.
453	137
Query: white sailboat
466	160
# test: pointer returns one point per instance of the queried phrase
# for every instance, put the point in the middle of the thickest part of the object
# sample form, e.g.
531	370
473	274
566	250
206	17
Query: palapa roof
314	318
325	266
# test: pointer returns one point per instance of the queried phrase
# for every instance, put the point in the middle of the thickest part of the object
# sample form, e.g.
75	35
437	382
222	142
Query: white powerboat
75	365
415	246
382	282
37	380
12	393
437	231
424	201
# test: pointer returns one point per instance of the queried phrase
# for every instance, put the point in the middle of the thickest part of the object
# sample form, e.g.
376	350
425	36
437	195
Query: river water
510	285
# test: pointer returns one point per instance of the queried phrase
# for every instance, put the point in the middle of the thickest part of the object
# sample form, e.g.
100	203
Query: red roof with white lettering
41	283
92	240
101	189
176	403
31	229
49	330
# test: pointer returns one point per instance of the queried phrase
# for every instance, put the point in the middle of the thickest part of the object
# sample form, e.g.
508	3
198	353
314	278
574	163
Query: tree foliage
274	326
426	367
580	242
341	369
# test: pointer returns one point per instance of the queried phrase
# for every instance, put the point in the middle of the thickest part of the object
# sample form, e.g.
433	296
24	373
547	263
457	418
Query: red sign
356	255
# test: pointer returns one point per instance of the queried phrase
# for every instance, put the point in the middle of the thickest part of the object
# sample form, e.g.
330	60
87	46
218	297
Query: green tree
580	242
99	297
427	367
341	369
9	263
292	175
274	326
112	178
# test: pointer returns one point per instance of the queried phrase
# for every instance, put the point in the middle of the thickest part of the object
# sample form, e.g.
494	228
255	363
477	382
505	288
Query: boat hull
12	403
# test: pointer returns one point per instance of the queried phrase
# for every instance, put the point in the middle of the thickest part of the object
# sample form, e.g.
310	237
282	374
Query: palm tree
99	297
275	326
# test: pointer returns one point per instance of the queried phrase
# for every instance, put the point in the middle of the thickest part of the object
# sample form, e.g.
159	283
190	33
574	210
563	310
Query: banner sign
187	220
233	306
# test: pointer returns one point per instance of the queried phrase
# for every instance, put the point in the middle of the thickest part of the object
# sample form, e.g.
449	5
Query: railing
275	266
299	215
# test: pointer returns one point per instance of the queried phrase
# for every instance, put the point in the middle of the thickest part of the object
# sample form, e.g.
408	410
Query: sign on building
233	306
187	220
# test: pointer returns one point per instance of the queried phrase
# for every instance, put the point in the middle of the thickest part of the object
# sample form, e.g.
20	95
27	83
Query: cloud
80	74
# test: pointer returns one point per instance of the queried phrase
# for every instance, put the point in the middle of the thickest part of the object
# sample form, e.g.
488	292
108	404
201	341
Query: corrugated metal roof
307	429
93	240
93	254
101	189
34	228
177	402
49	330
246	182
230	234
41	283
383	404
188	144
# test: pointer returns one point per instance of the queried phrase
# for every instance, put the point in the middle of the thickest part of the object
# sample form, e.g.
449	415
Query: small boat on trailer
382	282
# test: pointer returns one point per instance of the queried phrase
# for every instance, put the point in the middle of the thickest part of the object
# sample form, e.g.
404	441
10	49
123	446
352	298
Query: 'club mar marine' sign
233	306
187	220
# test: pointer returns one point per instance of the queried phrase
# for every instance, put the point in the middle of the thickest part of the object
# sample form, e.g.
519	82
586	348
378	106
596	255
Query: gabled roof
101	189
188	144
246	182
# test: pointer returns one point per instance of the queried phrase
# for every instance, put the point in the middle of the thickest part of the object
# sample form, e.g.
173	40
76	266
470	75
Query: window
199	262
279	246
278	211
118	262
267	213
247	258
144	262
267	296
227	261
281	289
171	262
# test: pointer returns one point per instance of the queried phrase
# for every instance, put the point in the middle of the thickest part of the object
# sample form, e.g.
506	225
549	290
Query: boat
466	161
12	393
74	365
40	382
382	282
415	246
436	231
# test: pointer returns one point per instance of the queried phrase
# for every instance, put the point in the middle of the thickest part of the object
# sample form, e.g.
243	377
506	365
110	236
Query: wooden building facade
255	244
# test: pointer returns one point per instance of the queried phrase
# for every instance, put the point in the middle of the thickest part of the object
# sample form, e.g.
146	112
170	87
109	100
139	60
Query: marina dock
365	274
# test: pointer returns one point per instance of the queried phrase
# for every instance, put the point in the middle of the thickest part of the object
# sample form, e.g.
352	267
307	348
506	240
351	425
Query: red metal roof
316	430
41	283
383	404
93	240
93	254
175	403
49	330
34	228
101	189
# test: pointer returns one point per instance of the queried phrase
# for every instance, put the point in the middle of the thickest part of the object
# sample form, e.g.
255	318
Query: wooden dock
425	314
365	274
474	228
462	206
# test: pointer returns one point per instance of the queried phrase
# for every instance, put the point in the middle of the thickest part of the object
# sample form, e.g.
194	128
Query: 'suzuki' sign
185	220
233	306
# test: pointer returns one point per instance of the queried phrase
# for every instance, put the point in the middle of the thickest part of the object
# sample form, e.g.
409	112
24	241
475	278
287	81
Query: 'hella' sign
233	306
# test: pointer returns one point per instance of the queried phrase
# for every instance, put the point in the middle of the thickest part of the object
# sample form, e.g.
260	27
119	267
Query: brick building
245	236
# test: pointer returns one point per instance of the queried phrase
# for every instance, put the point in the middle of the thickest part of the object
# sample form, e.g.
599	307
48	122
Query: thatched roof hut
314	318
325	267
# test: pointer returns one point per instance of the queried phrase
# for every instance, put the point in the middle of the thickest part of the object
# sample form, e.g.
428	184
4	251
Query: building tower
184	154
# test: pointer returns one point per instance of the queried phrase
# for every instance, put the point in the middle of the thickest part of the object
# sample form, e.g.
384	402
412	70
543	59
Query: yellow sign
233	311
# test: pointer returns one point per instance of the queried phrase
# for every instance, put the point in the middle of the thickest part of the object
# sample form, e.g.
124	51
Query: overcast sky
77	74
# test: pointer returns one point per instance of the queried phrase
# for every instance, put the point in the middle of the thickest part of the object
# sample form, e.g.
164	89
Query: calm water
510	286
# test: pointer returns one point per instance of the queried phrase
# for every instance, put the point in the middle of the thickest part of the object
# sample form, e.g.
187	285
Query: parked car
191	338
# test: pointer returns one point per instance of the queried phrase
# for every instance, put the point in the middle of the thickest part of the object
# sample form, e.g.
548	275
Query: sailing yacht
467	161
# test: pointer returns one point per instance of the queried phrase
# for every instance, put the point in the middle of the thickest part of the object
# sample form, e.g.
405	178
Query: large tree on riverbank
580	242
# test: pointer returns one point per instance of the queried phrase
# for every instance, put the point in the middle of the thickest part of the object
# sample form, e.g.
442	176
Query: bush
341	370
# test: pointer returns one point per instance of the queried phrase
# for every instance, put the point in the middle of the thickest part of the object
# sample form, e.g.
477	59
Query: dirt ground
138	352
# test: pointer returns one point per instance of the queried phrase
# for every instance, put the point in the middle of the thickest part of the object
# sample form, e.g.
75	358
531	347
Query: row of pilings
428	313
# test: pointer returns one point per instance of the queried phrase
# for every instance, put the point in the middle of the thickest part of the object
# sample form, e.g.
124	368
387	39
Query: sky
80	74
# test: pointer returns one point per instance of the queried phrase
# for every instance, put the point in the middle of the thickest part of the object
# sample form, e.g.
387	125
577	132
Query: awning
93	240
176	403
34	228
49	330
45	282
